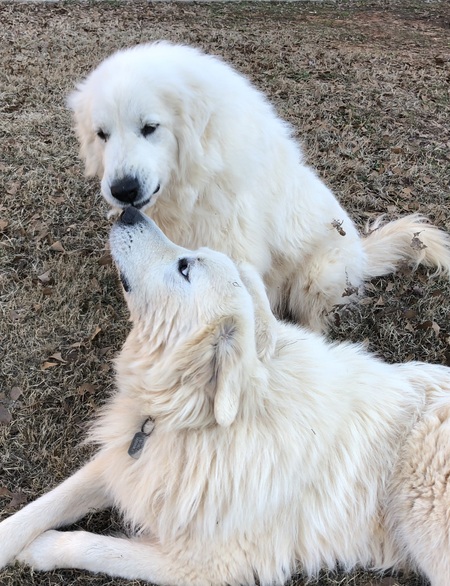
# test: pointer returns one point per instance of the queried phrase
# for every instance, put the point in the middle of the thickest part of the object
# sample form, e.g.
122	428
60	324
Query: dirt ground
365	84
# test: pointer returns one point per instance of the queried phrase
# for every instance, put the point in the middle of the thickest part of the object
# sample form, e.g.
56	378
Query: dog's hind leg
134	559
329	276
68	502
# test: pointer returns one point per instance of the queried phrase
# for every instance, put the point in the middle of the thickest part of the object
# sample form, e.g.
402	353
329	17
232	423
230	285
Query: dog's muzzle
126	190
131	216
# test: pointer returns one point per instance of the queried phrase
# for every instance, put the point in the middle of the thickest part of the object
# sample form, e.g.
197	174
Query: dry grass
367	87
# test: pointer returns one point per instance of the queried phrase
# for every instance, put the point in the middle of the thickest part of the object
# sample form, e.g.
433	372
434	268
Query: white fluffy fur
272	451
231	177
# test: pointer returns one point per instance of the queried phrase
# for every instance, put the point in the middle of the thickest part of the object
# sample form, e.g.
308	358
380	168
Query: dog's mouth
141	204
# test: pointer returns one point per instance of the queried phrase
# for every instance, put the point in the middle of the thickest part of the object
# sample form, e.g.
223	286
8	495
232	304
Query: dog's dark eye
102	135
148	129
183	268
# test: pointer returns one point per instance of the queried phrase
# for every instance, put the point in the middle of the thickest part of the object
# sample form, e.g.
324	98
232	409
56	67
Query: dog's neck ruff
139	439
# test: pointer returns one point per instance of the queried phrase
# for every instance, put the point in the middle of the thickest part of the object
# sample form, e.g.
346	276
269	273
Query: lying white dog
242	449
186	138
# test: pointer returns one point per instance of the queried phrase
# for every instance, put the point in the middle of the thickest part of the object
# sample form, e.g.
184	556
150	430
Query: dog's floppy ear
79	102
204	377
230	369
265	321
196	148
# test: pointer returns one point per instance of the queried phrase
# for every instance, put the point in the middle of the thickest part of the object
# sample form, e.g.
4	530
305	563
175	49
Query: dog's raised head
139	117
193	313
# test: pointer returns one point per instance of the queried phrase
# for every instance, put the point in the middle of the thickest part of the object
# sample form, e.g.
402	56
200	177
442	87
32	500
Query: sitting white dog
186	138
239	448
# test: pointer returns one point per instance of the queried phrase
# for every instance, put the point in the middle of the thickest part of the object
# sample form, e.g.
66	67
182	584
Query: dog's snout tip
130	216
125	190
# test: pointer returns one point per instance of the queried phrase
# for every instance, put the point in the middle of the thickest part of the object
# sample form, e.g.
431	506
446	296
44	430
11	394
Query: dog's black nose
131	216
126	189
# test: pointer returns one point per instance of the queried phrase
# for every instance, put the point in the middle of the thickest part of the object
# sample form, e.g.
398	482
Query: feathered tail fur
411	238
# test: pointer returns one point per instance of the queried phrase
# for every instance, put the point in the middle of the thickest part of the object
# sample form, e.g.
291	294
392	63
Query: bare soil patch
366	85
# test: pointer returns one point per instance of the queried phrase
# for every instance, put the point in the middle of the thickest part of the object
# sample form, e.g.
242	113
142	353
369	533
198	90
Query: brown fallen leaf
48	365
410	313
43	232
426	325
5	415
436	328
3	224
57	247
105	260
416	243
15	393
96	332
379	302
45	277
86	388
367	301
56	200
18	498
13	188
57	356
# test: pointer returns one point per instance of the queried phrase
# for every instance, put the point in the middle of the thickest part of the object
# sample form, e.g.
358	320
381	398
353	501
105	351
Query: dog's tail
412	239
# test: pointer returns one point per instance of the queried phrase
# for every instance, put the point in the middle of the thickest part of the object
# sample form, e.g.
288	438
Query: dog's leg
66	503
328	277
133	559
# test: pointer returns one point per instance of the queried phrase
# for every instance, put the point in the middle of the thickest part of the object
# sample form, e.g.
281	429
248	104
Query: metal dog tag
139	439
137	444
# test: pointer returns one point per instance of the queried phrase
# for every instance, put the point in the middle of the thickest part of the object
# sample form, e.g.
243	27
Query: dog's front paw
45	552
11	541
